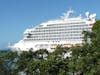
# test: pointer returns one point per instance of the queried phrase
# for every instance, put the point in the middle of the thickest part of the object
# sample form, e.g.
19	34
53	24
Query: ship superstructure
65	31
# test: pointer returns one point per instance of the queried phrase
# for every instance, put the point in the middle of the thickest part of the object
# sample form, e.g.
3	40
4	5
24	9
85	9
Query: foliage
7	63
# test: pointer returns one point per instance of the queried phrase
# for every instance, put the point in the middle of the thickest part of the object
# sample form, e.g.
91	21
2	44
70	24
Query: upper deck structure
65	31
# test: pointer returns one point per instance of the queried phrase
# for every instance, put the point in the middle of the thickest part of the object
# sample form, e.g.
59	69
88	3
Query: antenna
66	15
9	44
69	13
80	15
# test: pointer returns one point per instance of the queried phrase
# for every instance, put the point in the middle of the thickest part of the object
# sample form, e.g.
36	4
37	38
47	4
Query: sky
18	15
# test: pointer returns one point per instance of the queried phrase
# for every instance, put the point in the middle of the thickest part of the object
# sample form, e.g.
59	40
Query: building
64	31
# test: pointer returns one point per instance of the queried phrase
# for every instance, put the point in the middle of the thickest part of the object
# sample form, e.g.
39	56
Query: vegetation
83	60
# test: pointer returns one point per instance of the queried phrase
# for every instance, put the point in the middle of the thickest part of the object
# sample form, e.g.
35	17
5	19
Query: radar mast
66	15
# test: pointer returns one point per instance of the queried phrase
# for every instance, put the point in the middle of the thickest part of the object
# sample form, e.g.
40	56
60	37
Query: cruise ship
65	31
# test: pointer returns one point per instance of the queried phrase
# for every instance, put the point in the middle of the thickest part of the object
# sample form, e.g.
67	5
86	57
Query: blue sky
18	15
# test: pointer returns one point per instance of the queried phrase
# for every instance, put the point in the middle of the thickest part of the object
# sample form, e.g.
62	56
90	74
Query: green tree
7	63
85	59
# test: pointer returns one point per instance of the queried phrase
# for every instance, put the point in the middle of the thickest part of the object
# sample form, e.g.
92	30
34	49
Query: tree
85	59
7	63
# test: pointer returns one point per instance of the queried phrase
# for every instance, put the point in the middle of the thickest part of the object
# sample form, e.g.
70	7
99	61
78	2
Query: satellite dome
87	14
